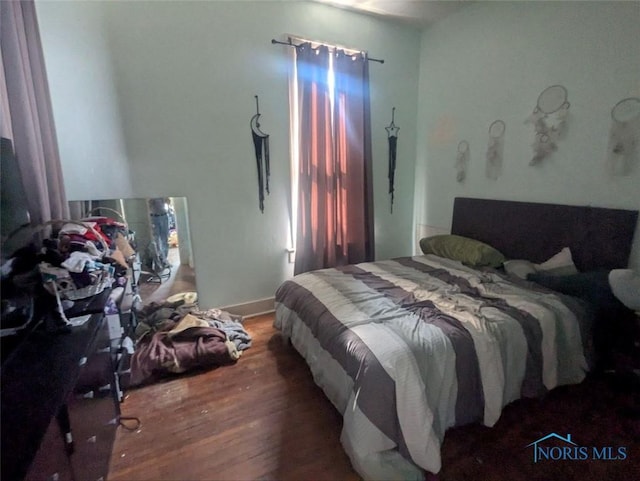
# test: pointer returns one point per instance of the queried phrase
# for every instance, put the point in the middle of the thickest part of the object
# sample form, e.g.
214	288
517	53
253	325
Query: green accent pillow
468	251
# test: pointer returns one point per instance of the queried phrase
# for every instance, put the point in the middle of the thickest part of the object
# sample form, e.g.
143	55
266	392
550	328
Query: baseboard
252	308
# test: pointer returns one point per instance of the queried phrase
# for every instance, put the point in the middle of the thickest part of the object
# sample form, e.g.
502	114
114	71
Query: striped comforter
409	347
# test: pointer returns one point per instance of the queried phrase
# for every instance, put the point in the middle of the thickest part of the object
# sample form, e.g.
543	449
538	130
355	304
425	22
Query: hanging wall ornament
624	135
261	145
495	149
392	136
462	160
549	119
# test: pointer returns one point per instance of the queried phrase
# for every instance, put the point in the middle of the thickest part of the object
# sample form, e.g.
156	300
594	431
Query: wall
176	81
85	107
490	61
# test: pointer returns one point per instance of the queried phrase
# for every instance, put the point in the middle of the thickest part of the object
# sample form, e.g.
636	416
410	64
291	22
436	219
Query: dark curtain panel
335	216
31	115
352	130
315	177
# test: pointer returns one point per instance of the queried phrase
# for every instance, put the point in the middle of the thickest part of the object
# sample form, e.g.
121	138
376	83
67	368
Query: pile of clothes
77	261
83	260
175	336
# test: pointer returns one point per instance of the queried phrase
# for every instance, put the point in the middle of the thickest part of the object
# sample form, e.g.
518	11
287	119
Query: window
331	164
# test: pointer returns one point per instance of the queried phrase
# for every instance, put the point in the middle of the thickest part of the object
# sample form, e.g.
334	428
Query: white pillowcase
560	264
625	284
519	268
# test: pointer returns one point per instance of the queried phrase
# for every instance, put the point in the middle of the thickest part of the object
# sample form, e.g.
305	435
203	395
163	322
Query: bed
406	348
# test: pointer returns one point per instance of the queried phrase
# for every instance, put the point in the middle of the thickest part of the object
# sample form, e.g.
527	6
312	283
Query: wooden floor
262	418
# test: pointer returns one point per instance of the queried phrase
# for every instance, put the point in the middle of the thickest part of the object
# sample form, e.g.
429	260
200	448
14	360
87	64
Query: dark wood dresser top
36	379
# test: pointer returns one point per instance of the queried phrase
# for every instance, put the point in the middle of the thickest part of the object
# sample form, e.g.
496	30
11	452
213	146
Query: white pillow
625	284
519	268
560	264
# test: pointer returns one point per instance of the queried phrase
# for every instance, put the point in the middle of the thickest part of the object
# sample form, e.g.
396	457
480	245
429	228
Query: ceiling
419	13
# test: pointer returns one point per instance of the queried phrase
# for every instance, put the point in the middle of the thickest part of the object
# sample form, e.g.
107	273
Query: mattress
409	347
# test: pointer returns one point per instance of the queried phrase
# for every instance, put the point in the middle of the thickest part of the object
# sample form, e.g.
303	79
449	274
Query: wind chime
392	136
261	146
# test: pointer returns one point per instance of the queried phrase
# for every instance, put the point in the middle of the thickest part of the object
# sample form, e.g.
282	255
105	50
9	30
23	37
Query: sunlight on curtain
331	158
294	138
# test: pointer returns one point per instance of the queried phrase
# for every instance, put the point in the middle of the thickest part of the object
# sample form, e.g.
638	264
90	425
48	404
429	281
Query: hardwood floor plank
264	419
261	418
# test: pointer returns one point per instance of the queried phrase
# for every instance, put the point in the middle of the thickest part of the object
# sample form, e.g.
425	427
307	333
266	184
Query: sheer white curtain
26	111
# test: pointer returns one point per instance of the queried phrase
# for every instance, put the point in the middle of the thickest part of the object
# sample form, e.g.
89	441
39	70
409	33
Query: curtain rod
289	43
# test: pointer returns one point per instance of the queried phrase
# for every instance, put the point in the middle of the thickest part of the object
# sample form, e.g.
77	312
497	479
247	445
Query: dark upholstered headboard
599	238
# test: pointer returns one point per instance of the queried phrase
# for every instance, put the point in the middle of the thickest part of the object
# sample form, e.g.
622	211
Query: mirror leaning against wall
158	231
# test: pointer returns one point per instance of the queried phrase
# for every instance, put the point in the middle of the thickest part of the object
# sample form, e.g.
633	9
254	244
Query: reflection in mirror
159	233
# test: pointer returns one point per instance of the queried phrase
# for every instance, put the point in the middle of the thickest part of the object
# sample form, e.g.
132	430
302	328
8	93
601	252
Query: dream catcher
495	149
549	118
624	136
392	136
462	160
261	145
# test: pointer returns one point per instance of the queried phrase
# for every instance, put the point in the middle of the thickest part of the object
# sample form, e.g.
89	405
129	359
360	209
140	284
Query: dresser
60	405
